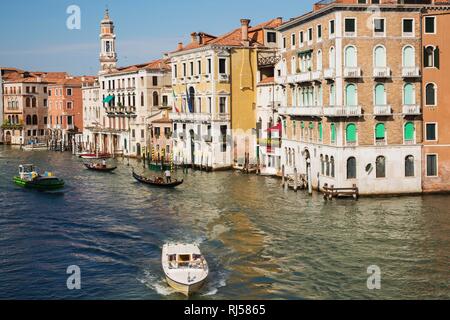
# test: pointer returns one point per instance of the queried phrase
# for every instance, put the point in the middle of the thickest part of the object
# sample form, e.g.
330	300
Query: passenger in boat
168	176
104	164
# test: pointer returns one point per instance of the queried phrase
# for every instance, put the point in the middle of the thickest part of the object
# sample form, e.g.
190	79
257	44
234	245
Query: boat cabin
185	256
27	172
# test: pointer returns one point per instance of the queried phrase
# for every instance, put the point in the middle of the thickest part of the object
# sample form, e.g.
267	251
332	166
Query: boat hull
93	156
158	185
187	290
40	184
89	167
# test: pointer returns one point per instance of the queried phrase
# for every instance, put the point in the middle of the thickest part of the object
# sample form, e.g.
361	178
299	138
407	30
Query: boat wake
216	281
156	283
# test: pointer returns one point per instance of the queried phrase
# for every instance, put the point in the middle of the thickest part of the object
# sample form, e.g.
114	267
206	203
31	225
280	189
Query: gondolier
168	175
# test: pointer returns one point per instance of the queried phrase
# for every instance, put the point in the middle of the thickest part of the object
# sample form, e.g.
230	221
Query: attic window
271	37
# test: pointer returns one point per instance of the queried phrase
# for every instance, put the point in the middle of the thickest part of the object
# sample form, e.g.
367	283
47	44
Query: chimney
180	46
200	37
244	30
279	20
194	37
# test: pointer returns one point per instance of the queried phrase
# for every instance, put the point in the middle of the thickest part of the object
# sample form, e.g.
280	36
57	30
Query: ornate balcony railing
352	72
316	111
382	72
382	110
329	73
343	111
411	110
411	72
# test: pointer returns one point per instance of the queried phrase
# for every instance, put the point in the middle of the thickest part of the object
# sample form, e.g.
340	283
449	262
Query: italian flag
175	102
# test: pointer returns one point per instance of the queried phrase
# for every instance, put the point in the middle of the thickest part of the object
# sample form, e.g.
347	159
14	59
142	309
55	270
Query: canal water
261	242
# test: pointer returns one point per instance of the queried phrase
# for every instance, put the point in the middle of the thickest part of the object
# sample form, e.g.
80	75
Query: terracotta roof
234	38
155	64
268	80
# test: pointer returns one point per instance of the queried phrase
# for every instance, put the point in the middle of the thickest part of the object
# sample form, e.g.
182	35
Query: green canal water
261	242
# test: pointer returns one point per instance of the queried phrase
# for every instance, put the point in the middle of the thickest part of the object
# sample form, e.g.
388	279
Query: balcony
352	72
191	117
411	72
208	138
313	111
298	78
411	110
224	77
382	72
221	117
70	127
329	74
343	111
316	75
382	110
281	80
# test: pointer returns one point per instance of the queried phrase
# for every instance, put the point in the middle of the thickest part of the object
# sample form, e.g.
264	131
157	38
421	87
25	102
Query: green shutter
436	57
311	125
409	131
379	131
333	132
351	133
320	131
302	125
108	99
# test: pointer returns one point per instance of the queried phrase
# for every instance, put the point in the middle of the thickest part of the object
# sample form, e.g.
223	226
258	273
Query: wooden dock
330	193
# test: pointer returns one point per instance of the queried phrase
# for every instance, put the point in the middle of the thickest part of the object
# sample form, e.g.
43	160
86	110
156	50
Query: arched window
409	59
332	95
409	132
28	102
431	57
380	132
430	94
156	99
380	57
294	65
319	60
350	57
322	165
332	164
327	160
350	133
409	166
332	58
381	167
350	95
351	168
409	97
33	103
380	95
35	120
333	132
28	120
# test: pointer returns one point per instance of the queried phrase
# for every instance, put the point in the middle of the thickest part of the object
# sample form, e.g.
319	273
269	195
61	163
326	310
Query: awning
108	99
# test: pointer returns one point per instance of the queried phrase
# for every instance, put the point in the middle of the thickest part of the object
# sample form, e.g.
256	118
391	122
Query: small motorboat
158	181
99	167
185	268
30	178
36	147
95	156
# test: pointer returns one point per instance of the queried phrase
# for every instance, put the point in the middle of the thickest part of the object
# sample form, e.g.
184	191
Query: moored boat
94	156
99	167
185	268
30	178
157	182
35	147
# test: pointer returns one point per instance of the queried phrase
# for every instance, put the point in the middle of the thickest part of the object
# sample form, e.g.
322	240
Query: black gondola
95	167
155	183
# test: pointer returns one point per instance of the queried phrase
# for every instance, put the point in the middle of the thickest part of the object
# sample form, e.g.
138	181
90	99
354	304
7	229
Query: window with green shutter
320	131
303	125
380	95
409	131
351	133
311	125
333	132
380	131
350	95
408	94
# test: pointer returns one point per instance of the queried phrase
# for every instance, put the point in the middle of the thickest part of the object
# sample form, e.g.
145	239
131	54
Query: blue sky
34	36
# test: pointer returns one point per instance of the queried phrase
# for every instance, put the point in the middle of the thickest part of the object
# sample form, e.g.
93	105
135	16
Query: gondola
95	167
159	184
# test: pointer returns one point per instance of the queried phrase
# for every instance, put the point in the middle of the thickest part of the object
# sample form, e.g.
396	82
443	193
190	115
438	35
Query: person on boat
104	164
168	175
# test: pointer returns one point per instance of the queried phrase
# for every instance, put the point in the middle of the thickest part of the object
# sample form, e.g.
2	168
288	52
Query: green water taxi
29	178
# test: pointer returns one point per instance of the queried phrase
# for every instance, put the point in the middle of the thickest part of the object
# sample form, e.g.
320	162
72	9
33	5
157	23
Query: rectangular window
432	165
199	67
69	120
350	26
271	37
45	102
310	34
223	133
165	101
209	66
223	105
155	81
284	42
142	133
302	38
133	133
222	66
184	70
69	91
69	105
293	40
408	27
176	71
379	27
45	89
431	132
319	32
192	68
430	25
332	28
45	120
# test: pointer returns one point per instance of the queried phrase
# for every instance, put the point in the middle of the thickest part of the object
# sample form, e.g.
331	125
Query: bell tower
108	55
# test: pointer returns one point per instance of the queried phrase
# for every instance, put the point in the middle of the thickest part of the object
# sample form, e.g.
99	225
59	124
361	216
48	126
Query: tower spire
108	55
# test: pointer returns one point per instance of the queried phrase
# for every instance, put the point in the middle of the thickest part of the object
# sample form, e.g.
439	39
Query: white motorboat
185	267
35	147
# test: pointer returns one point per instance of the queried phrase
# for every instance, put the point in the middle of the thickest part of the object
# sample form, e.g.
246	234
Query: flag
175	102
189	102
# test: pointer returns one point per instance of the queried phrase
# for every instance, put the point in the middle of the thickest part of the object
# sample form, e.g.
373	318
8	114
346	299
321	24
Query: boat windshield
187	261
26	168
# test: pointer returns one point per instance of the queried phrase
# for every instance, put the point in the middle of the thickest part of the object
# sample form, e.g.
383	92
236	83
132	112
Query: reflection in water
260	241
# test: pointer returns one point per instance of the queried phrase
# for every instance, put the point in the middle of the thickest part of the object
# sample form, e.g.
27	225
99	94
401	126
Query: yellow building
214	81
